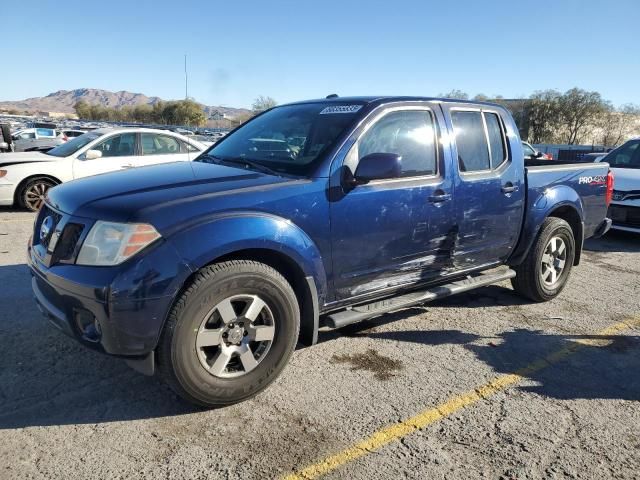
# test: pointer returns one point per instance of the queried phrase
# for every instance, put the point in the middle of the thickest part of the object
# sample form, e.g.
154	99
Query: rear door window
118	145
153	144
471	141
480	140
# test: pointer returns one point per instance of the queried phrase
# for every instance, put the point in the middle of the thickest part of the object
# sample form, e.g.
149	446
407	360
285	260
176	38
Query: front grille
66	247
63	238
624	216
45	212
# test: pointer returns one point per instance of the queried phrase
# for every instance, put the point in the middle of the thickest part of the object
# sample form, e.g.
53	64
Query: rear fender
559	201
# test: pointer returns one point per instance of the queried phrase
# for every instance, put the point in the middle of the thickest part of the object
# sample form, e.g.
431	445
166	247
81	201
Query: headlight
110	243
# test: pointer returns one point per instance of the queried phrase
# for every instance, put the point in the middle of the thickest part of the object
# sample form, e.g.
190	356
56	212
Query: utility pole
186	79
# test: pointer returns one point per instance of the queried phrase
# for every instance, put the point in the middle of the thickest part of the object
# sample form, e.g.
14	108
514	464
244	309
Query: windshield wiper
246	163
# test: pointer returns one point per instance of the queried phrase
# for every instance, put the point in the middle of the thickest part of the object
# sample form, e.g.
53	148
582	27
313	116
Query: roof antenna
333	95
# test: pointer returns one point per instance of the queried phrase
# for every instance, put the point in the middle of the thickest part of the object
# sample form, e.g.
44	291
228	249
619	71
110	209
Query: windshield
625	156
72	146
289	139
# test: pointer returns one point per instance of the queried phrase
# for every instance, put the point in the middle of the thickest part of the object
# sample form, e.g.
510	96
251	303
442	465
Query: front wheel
230	334
545	270
33	193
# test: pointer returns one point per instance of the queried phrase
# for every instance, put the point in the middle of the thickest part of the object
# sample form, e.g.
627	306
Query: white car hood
625	179
7	159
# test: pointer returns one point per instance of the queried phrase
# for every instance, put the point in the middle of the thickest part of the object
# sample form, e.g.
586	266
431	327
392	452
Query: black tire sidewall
560	229
200	385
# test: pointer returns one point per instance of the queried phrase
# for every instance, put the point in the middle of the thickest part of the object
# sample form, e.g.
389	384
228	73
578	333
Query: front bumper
115	310
625	216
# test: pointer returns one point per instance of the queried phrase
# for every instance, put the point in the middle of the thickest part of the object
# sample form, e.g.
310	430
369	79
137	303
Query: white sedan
25	177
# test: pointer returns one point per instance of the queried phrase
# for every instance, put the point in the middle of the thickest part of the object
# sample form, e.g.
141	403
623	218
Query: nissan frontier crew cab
314	214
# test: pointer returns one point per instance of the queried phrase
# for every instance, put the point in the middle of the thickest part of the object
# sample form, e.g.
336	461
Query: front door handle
440	197
509	188
127	165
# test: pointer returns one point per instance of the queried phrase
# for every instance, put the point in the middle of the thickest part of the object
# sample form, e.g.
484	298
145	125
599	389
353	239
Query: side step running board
363	312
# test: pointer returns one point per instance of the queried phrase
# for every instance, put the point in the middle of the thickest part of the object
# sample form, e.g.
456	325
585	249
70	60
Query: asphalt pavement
482	385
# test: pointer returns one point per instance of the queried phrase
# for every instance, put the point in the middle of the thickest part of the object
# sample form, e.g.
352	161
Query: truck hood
129	195
626	179
7	159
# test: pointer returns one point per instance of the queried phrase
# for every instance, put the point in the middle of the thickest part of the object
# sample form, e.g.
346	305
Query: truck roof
381	99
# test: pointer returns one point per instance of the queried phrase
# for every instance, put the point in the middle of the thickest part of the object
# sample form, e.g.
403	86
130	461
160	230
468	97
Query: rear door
158	148
490	184
393	232
118	153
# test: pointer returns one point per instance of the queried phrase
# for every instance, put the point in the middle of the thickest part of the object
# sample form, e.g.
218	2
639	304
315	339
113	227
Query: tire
31	195
535	277
194	371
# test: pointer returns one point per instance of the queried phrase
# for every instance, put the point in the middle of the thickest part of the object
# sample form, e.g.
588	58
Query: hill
64	100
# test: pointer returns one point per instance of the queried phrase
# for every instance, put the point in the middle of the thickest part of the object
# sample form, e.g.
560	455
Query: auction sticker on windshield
341	109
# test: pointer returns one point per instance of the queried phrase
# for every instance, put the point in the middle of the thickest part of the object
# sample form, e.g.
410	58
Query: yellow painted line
397	431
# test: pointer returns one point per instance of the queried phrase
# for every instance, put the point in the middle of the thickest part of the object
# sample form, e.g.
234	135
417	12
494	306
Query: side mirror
378	166
92	154
538	155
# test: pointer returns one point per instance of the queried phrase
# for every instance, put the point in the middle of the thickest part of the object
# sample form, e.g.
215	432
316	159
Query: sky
295	50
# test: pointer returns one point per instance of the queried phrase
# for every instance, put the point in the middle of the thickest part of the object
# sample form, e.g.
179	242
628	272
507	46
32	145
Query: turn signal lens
2	173
110	243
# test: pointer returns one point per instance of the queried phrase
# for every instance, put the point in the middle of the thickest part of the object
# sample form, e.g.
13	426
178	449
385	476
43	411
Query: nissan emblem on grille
45	228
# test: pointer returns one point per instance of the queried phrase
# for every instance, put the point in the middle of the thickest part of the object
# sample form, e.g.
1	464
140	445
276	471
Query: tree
455	93
578	112
481	97
541	114
82	110
614	126
262	103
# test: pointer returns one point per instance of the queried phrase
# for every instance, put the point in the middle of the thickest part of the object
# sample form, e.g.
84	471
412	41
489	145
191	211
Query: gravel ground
66	412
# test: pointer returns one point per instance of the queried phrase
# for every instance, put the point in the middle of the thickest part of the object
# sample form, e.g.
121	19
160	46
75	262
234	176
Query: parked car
25	177
531	153
625	207
210	272
5	138
70	133
36	137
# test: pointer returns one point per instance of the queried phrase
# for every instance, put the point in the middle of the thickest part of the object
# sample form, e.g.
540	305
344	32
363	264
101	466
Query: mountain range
64	100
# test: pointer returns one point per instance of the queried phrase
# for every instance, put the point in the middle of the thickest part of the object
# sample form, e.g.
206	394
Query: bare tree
263	103
455	93
578	112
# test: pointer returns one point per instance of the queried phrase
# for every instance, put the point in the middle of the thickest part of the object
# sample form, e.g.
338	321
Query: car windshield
290	139
625	156
72	146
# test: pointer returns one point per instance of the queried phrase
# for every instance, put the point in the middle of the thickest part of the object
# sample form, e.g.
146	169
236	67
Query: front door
489	188
118	153
398	231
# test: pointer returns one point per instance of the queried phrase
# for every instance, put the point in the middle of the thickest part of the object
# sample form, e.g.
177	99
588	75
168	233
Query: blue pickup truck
311	215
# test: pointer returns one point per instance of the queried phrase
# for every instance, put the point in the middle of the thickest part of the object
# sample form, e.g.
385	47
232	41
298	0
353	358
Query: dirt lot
482	385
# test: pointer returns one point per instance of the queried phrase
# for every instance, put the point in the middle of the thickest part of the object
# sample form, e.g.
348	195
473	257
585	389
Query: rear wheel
545	270
230	334
33	193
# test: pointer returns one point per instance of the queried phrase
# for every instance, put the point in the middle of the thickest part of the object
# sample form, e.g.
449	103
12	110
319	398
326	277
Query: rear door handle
127	165
509	188
441	197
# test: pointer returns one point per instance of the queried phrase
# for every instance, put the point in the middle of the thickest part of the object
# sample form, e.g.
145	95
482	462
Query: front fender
539	208
221	235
